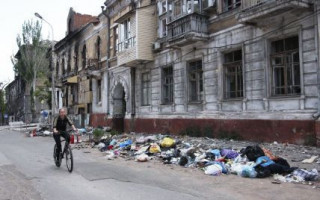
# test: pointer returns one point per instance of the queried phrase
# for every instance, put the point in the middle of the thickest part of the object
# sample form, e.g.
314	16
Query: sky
13	13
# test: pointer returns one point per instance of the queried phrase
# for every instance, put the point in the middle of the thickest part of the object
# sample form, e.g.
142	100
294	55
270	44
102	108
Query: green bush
98	133
114	132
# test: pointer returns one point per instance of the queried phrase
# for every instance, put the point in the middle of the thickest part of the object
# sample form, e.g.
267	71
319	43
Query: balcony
137	48
188	29
254	10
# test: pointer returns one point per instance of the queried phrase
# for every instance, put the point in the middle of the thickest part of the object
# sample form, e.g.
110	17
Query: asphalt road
27	171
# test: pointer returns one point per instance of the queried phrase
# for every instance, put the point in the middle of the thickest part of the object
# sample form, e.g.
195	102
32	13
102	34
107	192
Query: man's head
62	113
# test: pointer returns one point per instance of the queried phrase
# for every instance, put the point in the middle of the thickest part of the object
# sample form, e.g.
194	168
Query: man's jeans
57	138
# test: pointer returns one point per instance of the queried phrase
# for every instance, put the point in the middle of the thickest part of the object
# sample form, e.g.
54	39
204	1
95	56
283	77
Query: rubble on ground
216	157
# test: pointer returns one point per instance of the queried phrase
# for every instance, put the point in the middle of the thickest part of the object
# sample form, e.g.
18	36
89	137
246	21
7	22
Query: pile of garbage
252	161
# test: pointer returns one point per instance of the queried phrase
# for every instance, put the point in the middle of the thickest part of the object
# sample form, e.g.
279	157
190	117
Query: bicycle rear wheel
57	160
69	159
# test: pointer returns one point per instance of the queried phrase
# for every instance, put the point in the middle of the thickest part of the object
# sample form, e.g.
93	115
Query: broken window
230	4
233	76
195	81
99	91
98	48
84	57
63	67
146	89
167	85
89	108
69	62
285	63
57	70
76	67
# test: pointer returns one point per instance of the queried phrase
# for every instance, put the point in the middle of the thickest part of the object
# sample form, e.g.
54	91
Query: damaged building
243	67
79	66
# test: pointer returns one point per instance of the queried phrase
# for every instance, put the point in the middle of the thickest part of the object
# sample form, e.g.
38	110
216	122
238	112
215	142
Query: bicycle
68	155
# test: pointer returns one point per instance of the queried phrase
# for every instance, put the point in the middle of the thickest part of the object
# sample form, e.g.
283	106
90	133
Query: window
177	8
163	28
63	67
84	56
195	81
89	108
98	48
57	70
125	39
167	85
163	7
146	89
116	39
233	77
76	49
90	84
231	4
285	63
69	62
99	91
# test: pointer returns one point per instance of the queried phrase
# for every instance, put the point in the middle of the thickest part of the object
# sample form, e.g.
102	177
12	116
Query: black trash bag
252	152
282	161
183	161
210	156
262	172
177	153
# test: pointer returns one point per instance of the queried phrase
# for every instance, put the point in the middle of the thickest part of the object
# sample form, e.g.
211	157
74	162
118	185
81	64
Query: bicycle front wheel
69	159
57	160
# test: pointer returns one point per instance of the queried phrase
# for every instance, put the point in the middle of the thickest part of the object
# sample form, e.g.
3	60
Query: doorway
119	108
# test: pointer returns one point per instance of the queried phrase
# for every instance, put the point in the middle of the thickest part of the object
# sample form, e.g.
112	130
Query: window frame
170	85
84	56
235	64
146	84
199	82
126	40
99	90
227	8
285	65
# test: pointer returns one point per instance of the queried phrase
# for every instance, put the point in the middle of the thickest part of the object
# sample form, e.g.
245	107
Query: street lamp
53	103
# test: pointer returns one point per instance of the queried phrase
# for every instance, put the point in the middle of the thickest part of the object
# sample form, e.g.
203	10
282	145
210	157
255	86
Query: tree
31	62
2	102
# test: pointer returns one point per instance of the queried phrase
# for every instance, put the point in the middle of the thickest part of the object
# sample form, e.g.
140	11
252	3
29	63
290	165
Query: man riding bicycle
59	129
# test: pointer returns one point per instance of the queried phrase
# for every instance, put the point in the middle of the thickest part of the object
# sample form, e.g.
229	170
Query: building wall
146	26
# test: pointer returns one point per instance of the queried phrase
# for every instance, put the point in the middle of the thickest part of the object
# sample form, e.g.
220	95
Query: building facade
79	66
245	68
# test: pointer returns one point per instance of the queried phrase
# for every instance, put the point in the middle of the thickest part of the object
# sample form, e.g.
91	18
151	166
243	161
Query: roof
76	24
78	20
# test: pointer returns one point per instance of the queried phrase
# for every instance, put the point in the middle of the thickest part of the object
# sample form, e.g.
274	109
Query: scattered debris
310	160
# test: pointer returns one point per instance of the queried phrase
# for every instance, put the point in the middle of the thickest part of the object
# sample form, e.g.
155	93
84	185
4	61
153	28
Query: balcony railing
126	44
248	4
192	23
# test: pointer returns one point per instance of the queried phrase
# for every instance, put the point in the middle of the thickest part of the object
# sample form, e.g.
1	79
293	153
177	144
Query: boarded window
285	63
233	76
167	86
146	89
195	81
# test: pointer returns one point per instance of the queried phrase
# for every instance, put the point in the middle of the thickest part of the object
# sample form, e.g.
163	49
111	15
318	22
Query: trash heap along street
215	157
